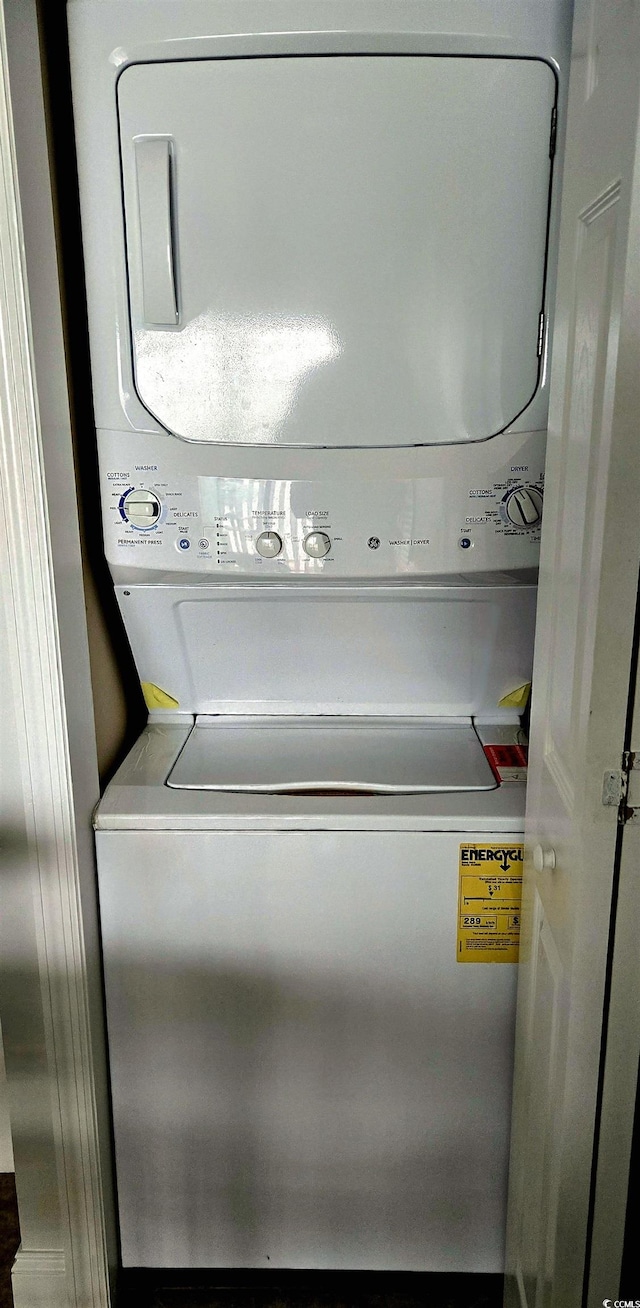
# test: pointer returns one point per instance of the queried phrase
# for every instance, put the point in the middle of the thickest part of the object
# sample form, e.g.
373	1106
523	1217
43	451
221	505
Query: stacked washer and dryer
319	251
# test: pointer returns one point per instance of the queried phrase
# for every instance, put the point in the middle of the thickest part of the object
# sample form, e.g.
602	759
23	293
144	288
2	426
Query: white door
352	253
589	576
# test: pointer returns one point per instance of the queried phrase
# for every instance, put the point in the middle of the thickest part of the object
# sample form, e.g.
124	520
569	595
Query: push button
269	544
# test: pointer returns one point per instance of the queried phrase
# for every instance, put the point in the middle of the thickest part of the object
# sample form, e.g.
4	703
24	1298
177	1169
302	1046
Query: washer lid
277	755
336	250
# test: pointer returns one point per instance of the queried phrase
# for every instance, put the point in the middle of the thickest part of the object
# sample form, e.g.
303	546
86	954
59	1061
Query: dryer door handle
153	173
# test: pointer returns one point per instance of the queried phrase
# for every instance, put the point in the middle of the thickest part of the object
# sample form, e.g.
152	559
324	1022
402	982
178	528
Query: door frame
617	1088
52	999
67	1257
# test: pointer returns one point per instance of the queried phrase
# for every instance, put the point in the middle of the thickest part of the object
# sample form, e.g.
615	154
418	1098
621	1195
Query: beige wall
118	706
109	702
6	1149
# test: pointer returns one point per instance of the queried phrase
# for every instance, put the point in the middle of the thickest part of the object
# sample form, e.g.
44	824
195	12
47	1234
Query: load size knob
141	508
523	507
316	544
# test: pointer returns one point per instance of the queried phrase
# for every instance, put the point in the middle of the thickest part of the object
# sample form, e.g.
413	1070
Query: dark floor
308	1290
267	1290
222	1299
9	1235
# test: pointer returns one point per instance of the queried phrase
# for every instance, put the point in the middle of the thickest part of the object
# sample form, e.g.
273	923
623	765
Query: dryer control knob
524	507
317	544
141	508
269	544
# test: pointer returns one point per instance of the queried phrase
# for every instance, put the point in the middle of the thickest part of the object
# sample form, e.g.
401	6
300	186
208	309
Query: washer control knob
269	544
317	544
524	507
142	508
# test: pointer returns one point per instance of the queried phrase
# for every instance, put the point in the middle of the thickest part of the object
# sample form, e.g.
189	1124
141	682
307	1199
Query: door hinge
619	788
553	133
541	322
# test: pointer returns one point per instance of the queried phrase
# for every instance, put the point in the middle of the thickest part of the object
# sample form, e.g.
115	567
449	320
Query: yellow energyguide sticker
489	895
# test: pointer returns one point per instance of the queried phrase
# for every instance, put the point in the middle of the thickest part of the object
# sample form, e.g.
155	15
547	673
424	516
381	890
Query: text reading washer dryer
317	241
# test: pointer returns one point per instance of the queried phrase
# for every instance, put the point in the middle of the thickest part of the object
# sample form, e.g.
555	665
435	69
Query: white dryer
319	239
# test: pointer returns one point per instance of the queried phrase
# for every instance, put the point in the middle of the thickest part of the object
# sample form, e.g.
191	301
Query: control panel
452	521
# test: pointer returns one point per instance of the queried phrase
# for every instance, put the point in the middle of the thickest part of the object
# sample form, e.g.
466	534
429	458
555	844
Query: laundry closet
319	244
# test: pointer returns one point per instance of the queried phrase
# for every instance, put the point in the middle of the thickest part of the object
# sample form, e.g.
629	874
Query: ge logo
373	542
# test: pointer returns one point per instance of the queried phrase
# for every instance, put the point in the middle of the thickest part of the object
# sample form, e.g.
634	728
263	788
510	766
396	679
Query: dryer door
338	250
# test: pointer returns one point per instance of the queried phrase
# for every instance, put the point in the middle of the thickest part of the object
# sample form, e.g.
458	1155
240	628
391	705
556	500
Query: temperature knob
269	544
523	507
141	508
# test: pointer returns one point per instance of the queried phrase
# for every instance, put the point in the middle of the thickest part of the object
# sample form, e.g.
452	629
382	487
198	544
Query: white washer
303	1074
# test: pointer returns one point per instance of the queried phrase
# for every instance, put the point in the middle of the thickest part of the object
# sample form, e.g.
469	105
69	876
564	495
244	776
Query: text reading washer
319	249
